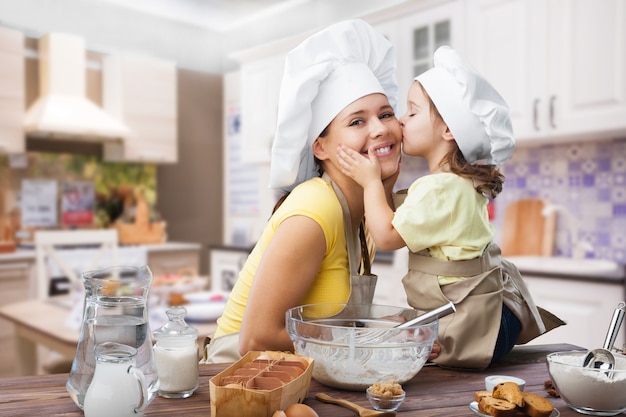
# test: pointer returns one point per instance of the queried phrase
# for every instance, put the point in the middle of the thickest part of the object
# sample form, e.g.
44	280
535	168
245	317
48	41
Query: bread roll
478	395
536	405
496	407
509	391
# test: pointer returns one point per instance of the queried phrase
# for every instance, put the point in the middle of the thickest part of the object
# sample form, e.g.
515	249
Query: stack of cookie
508	400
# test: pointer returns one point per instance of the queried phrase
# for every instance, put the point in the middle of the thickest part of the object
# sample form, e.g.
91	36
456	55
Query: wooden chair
47	246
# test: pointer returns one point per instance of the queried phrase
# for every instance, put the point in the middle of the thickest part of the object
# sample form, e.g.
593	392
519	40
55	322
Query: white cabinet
587	308
12	96
560	64
142	93
416	32
260	87
15	278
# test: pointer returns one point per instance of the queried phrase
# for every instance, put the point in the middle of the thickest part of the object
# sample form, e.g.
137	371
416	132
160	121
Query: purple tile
574	180
574	166
604	164
604	194
619	210
603	239
589	180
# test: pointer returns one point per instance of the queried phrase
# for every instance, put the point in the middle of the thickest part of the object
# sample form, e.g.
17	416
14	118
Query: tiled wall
588	179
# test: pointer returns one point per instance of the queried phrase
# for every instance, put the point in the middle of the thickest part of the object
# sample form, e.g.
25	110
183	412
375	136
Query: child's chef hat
324	74
476	114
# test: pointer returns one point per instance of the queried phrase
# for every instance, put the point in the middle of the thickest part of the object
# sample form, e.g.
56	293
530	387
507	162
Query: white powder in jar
177	369
589	388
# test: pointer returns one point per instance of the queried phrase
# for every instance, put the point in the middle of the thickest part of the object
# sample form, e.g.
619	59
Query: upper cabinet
12	96
560	64
416	33
260	77
260	84
142	93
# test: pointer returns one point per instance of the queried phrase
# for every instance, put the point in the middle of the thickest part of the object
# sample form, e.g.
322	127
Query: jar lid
176	327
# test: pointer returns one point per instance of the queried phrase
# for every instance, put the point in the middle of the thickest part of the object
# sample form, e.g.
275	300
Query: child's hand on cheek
356	166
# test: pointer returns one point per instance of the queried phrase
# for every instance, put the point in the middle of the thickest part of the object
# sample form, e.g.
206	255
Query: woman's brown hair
320	172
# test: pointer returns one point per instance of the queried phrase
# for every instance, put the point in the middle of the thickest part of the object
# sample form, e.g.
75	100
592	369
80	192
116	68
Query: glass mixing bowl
355	346
589	391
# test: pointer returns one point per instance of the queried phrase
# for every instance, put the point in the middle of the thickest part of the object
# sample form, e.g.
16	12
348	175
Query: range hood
63	110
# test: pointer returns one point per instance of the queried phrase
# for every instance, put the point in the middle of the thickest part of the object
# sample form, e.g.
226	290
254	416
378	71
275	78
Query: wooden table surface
42	322
433	392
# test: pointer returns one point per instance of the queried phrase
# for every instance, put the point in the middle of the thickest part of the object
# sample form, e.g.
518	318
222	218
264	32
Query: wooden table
433	392
42	322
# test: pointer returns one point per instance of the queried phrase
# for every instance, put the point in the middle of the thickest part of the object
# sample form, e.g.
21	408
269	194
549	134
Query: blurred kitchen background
194	86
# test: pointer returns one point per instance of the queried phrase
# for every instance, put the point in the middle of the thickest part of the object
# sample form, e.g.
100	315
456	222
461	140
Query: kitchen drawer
586	306
8	347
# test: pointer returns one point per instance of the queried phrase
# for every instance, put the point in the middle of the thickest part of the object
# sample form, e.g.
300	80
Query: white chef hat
325	73
476	114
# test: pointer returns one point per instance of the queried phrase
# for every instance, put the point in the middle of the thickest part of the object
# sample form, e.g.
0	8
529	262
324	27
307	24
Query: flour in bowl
586	387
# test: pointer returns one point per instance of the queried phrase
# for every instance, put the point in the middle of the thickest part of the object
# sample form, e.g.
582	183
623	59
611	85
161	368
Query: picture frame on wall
225	264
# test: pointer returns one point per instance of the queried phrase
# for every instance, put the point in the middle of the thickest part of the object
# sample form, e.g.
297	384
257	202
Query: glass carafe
115	310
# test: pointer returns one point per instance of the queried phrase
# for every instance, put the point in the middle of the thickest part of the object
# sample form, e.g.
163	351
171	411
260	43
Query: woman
338	89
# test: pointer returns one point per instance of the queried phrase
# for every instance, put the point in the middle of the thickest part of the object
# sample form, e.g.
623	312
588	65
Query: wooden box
248	387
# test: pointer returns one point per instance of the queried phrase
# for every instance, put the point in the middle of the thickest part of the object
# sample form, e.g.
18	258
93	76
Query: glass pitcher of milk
118	387
115	310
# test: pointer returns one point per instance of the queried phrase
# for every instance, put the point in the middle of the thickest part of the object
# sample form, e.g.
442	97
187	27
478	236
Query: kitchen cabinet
560	64
416	33
586	306
260	85
12	95
15	278
142	93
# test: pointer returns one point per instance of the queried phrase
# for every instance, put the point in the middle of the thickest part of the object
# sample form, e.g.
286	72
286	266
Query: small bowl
492	380
586	390
385	402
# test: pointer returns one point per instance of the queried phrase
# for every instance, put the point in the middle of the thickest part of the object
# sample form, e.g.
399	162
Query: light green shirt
446	215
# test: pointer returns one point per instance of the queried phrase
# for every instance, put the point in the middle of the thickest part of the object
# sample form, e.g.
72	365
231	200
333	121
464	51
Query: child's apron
468	336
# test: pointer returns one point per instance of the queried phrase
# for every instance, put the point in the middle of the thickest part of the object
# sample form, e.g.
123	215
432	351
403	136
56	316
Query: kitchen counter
596	270
432	392
28	253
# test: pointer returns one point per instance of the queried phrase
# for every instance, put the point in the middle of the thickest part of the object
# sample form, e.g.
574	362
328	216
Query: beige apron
362	286
468	337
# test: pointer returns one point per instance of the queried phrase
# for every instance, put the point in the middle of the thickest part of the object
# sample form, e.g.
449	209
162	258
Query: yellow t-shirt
315	199
444	214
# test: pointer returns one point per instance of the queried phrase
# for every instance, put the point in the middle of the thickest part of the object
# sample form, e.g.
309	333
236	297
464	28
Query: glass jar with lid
176	355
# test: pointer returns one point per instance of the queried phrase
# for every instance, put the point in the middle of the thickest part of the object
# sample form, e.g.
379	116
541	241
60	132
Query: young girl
460	124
